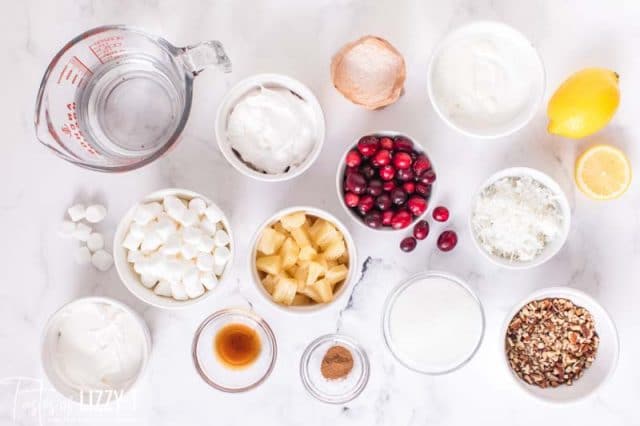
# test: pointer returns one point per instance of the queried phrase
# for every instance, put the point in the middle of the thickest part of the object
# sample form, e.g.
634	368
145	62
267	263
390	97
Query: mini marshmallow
198	205
178	291
194	289
137	230
77	212
174	207
148	281
82	232
206	245
208	280
132	242
102	260
165	227
221	255
134	256
208	227
221	238
213	213
172	245
174	270
163	288
82	256
96	213
151	242
142	266
205	262
218	270
191	235
144	214
156	266
189	218
66	229
95	241
188	251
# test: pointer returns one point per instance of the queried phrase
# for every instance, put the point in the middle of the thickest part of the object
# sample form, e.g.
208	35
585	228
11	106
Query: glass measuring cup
116	98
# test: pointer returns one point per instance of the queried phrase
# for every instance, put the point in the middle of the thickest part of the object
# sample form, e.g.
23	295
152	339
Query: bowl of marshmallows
173	248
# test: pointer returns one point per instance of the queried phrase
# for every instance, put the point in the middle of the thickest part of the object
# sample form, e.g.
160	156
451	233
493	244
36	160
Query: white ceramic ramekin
131	279
344	290
237	92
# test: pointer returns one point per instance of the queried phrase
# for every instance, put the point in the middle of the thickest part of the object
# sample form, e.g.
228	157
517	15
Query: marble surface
298	38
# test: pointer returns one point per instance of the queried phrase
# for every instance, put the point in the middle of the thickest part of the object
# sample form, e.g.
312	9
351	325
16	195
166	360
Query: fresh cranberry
409	187
388	186
356	183
402	144
386	143
387	217
375	187
402	160
367	171
353	158
373	219
387	172
368	145
408	244
401	219
421	230
382	158
447	240
350	170
405	175
417	205
441	214
398	196
351	199
365	204
424	190
427	177
383	202
421	164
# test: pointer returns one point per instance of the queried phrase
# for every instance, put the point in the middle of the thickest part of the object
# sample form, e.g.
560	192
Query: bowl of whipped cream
270	127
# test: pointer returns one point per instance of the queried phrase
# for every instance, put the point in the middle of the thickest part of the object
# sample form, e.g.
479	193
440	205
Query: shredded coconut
515	218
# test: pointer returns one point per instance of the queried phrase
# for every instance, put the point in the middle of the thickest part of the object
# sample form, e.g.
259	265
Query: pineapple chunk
307	253
320	291
270	241
335	250
336	274
301	237
269	264
314	272
301	273
315	227
292	271
326	235
278	227
289	253
269	282
301	300
285	290
293	220
322	261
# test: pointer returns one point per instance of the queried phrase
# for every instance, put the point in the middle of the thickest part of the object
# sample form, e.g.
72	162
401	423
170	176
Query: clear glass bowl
220	376
386	328
334	391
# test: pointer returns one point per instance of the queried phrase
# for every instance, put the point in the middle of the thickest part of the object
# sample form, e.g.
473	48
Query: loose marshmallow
102	260
221	238
77	212
198	205
82	232
213	213
174	207
66	229
148	281
163	288
96	213
178	291
82	256
208	280
95	241
205	262
221	255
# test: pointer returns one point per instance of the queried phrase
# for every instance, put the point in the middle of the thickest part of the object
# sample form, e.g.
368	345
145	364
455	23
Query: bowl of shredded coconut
520	218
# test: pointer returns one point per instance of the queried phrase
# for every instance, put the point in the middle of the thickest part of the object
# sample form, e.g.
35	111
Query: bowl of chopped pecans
560	345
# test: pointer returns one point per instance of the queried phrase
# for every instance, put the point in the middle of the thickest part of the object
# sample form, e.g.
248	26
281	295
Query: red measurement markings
74	72
108	48
72	129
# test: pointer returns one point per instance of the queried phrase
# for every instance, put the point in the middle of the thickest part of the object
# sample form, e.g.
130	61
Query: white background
298	38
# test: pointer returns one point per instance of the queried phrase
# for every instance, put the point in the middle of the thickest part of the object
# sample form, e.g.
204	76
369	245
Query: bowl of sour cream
270	127
486	80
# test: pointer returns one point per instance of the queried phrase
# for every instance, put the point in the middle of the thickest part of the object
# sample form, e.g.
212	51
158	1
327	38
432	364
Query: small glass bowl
213	371
337	391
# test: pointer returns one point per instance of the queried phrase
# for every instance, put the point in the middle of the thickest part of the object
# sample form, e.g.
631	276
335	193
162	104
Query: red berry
386	143
447	240
421	164
373	219
367	171
353	158
388	186
375	187
441	214
401	219
382	158
368	145
365	204
383	202
408	244
387	172
387	217
427	177
351	199
424	190
402	144
409	187
417	205
402	160
405	175
398	196
355	182
421	230
350	170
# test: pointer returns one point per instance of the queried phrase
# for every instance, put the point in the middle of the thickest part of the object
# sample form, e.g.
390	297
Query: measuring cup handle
202	55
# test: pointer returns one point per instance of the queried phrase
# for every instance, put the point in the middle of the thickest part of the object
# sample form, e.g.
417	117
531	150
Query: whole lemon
584	103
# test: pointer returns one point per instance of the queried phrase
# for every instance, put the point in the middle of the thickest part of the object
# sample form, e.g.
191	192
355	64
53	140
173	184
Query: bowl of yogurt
95	350
270	127
486	80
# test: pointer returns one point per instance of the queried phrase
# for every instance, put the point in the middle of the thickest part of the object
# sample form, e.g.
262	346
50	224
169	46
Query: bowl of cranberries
385	181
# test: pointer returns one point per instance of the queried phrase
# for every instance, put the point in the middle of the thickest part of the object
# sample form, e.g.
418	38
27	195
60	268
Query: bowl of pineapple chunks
303	259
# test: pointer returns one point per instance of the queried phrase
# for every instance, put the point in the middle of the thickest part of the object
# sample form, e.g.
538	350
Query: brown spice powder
337	363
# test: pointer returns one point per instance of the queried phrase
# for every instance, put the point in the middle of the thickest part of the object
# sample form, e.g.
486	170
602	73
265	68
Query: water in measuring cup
130	107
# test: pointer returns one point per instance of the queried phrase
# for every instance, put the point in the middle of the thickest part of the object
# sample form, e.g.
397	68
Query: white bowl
351	249
237	92
552	248
340	175
606	358
131	279
88	396
535	64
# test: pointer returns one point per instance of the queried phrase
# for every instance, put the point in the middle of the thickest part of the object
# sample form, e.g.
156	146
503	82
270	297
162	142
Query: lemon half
603	172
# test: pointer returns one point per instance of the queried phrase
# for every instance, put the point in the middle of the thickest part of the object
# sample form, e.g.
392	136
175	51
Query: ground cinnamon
337	363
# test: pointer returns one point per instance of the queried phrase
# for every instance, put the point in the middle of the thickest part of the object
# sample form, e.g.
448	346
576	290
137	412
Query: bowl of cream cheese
270	127
95	349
